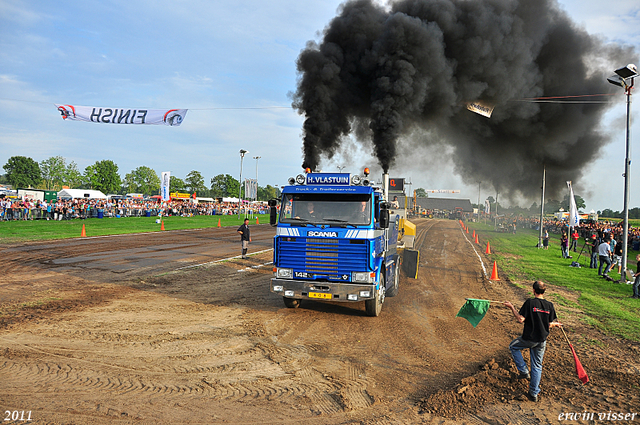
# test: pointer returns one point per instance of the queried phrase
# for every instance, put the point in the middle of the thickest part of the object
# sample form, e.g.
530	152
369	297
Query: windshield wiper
343	223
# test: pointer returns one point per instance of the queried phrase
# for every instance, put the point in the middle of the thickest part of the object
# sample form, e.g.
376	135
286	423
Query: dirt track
158	328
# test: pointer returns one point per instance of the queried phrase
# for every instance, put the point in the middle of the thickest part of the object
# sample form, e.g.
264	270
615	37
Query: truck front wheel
291	302
393	290
374	307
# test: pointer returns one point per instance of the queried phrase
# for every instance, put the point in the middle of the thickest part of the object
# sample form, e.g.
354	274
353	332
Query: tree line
54	173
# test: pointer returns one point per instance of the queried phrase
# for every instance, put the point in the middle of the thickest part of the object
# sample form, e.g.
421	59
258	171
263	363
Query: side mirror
273	217
272	202
384	218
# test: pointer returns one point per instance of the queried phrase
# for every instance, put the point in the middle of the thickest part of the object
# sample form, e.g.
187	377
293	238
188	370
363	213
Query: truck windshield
329	209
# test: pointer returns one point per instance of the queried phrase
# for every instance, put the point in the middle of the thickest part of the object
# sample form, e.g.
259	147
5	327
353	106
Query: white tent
81	193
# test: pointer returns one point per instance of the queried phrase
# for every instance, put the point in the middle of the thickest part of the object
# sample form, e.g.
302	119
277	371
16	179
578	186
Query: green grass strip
23	231
607	305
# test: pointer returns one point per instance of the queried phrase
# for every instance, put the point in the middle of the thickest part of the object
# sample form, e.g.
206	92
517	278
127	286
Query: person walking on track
245	237
538	315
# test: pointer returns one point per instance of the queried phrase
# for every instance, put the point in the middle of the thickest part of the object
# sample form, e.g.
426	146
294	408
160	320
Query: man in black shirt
538	315
245	237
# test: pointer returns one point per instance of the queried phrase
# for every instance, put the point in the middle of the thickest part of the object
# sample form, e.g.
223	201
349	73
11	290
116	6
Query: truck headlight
289	293
284	273
365	294
352	297
278	288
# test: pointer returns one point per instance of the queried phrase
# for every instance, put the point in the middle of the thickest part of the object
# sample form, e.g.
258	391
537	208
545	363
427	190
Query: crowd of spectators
67	209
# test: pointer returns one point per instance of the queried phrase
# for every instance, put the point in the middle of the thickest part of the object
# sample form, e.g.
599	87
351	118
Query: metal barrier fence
9	214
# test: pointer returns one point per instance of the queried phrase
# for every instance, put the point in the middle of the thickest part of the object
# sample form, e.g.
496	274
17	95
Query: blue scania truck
335	241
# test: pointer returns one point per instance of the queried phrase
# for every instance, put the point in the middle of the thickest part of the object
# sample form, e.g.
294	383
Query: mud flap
410	261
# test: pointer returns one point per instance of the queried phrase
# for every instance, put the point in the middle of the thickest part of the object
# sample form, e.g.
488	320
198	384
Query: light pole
242	152
340	168
544	183
624	78
257	158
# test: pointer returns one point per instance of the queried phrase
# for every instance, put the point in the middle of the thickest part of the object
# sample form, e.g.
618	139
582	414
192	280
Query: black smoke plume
411	67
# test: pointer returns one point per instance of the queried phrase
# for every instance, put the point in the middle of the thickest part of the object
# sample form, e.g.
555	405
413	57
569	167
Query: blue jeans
636	287
604	260
536	353
594	260
565	252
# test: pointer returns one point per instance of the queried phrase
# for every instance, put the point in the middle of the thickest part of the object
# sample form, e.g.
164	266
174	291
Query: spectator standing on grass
245	237
593	243
545	240
538	316
574	240
604	252
636	283
564	241
617	256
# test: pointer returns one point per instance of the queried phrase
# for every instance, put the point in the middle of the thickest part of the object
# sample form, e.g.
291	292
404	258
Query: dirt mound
612	366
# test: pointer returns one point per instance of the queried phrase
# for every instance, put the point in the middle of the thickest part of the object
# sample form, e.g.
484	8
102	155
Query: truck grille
327	258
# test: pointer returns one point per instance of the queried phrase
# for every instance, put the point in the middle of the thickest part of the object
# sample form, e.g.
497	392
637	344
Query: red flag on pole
582	375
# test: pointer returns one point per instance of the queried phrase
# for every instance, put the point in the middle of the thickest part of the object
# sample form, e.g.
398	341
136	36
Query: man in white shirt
604	252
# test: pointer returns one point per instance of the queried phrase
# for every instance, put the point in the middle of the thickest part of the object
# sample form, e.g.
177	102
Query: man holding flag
538	316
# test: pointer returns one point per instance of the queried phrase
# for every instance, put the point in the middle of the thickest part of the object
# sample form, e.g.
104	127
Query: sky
232	65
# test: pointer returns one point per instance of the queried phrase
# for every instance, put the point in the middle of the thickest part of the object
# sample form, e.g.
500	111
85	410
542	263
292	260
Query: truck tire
393	291
291	302
374	307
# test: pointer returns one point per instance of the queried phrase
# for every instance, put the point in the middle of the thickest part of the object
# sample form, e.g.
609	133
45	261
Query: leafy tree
579	202
551	206
176	184
22	172
73	176
3	179
53	172
195	182
421	193
103	176
608	213
224	185
266	193
142	180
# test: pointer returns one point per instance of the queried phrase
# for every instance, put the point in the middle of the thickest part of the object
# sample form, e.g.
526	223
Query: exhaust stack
385	187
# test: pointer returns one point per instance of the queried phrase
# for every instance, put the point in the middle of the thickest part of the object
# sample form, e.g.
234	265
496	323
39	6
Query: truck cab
335	241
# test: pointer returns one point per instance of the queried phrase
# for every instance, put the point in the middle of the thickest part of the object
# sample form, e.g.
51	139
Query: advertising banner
170	117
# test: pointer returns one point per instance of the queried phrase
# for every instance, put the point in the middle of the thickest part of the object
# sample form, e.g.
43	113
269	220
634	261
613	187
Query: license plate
320	295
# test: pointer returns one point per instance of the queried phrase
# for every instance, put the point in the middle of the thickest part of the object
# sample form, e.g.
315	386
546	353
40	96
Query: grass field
606	305
22	231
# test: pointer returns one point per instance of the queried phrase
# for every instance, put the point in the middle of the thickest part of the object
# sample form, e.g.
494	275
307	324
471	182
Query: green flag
474	310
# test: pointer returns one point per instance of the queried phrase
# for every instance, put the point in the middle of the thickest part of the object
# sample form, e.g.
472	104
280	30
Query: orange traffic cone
219	225
477	239
257	222
474	234
467	229
494	273
488	251
83	234
162	225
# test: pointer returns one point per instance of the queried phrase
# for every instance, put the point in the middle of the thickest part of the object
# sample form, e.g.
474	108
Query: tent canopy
81	193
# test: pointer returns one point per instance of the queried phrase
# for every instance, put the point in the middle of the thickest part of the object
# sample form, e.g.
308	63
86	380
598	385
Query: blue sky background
212	57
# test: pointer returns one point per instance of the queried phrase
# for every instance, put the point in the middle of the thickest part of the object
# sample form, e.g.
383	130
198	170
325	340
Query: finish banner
172	117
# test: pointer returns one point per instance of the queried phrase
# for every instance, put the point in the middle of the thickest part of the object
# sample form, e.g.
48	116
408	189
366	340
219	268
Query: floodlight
628	71
617	80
